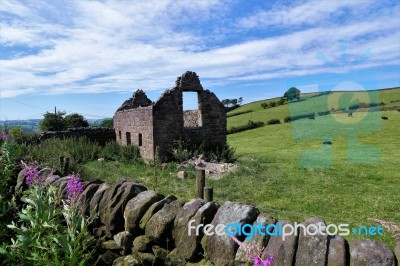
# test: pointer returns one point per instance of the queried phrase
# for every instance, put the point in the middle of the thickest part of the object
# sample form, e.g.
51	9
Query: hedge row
239	113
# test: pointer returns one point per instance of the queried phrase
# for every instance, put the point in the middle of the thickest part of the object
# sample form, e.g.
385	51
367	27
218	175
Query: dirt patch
213	170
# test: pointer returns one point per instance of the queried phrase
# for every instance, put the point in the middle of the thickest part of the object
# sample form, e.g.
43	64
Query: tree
264	105
272	104
226	102
53	121
292	93
75	120
234	102
281	101
240	100
107	123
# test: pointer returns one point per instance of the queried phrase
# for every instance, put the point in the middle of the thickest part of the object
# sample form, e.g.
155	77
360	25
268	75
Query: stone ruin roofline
188	76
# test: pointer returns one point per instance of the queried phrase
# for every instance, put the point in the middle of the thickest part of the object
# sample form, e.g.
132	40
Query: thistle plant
253	254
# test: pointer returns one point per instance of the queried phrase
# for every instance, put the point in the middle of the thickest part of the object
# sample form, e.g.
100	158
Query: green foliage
79	151
281	101
47	235
292	93
111	151
273	121
250	125
239	113
130	154
272	104
16	133
125	154
286	119
182	150
75	120
53	122
232	102
264	105
107	123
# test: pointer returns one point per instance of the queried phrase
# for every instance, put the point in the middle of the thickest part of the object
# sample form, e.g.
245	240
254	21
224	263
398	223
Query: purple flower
31	175
260	262
4	136
74	187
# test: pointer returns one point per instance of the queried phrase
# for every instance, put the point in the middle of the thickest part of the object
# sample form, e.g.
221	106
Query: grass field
391	97
270	177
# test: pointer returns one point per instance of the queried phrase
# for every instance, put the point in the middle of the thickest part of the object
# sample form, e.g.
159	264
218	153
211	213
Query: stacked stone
142	227
99	135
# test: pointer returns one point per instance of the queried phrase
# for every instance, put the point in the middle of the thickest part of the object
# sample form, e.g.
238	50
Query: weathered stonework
165	238
149	125
100	135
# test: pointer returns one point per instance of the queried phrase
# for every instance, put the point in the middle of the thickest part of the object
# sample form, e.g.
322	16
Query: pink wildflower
74	187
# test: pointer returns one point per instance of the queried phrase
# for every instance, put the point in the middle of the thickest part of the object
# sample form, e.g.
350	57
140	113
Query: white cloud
120	46
304	13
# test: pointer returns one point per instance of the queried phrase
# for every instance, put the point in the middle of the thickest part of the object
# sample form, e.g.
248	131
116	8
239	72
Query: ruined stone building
148	125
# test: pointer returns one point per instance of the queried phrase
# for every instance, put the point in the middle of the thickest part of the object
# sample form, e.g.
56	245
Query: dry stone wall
99	135
142	227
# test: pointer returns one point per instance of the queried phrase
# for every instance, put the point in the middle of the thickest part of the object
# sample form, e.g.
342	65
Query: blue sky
89	56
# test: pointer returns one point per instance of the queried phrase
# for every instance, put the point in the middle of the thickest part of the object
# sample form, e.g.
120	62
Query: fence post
66	166
208	194
61	161
200	182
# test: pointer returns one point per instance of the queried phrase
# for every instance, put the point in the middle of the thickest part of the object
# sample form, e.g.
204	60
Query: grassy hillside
345	193
309	103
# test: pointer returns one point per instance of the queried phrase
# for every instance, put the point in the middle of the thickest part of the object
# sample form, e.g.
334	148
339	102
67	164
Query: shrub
116	152
297	117
264	105
273	121
323	113
78	150
129	154
111	151
272	104
239	113
182	150
281	101
250	125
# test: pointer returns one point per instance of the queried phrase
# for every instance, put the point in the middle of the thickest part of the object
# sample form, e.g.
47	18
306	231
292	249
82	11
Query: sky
89	56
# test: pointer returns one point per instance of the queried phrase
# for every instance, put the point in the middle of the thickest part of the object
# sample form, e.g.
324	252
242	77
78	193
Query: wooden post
200	182
208	194
61	161
66	166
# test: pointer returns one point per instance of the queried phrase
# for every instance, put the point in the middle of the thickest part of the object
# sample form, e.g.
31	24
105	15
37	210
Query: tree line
59	121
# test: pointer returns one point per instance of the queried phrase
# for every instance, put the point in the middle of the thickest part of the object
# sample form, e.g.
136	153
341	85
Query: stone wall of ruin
136	121
168	120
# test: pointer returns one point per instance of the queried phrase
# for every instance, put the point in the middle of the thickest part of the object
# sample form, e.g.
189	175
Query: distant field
391	97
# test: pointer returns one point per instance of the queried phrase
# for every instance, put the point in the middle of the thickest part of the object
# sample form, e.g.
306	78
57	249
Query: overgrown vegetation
182	150
46	234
